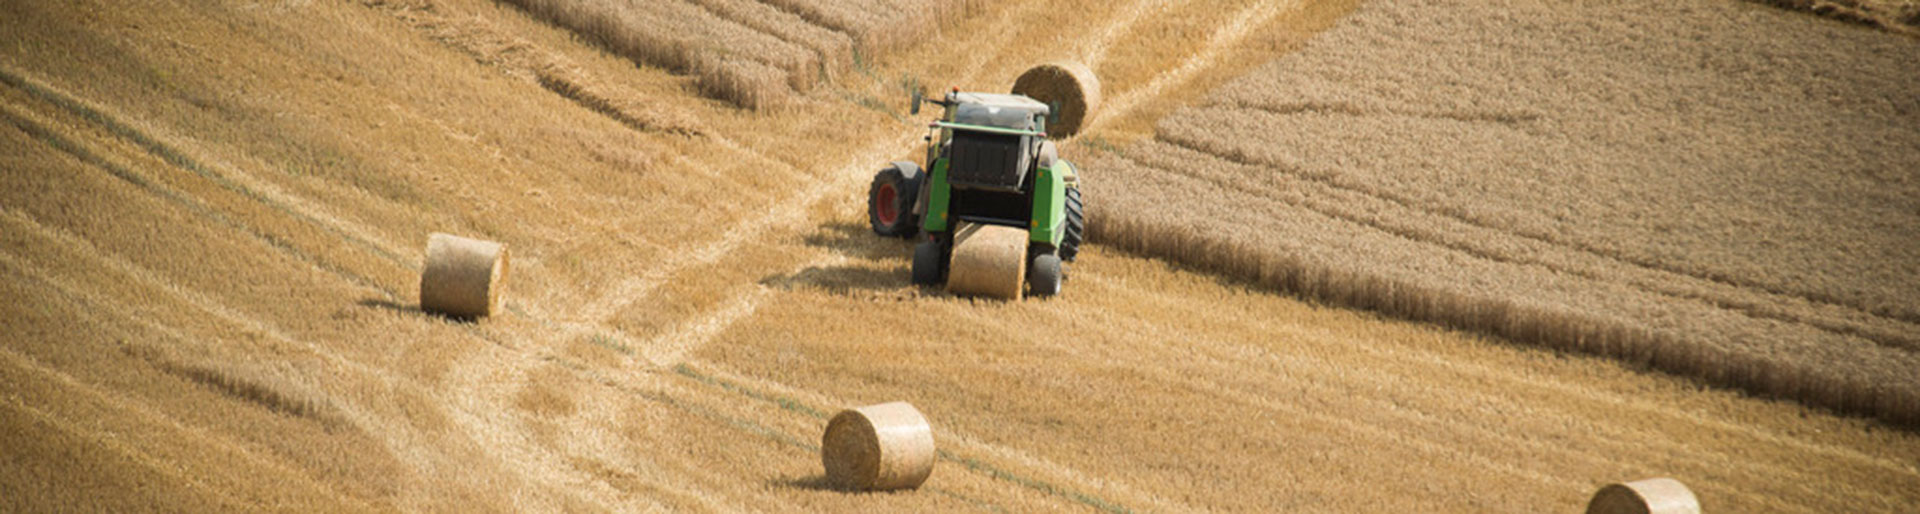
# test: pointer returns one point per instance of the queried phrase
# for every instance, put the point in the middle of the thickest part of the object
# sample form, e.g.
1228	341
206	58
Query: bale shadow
412	310
812	483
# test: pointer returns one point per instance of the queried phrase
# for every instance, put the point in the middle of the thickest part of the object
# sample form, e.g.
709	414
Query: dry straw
1433	188
1650	496
463	277
1068	86
988	260
733	61
878	447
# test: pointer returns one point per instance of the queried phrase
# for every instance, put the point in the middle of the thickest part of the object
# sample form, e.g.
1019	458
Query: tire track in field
1095	51
1001	40
81	250
690	335
1226	38
233	180
791	212
482	409
154	418
476	425
41	132
1440	238
145	460
596	315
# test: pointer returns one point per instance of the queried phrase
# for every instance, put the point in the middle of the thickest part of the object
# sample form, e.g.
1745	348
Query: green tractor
994	208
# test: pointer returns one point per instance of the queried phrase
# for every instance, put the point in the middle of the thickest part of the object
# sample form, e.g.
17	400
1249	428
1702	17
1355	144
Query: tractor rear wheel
891	198
927	261
1076	226
1044	274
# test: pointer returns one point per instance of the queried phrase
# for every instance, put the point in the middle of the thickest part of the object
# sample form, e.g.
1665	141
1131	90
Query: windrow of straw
1237	234
731	61
752	53
878	26
525	60
1688	199
1901	16
834	48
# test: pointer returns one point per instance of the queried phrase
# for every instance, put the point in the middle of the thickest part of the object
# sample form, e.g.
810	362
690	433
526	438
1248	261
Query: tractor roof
998	110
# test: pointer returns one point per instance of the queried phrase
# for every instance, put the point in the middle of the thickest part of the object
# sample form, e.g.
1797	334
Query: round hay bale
463	277
1068	86
988	260
1650	496
878	448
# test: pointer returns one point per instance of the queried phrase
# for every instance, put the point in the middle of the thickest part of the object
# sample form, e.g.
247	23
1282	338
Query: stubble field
215	215
1678	195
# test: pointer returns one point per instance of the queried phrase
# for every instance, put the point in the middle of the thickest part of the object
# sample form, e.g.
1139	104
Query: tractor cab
991	145
997	137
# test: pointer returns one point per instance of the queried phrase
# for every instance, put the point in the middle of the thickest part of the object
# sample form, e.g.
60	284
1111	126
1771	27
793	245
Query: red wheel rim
885	206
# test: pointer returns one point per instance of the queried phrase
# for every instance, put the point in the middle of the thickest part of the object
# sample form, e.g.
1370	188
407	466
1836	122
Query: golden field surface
213	215
1678	194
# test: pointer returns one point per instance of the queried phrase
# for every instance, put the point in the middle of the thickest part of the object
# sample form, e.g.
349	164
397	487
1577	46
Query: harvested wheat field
214	220
1679	195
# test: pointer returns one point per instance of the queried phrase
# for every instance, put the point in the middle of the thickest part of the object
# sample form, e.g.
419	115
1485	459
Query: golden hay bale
988	260
878	447
463	277
1068	86
1650	496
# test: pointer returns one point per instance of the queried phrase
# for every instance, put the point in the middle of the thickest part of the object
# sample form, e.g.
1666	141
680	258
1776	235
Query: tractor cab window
999	110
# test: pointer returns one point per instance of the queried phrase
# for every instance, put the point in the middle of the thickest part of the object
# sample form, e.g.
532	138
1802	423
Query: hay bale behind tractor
463	278
988	260
878	448
1650	496
1069	87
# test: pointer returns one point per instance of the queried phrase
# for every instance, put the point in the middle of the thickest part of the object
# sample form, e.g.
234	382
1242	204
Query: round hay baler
998	213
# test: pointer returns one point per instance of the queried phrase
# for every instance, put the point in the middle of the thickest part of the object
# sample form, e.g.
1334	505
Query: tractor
995	208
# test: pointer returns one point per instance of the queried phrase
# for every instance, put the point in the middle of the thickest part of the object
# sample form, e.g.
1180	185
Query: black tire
1044	274
928	263
891	199
1076	226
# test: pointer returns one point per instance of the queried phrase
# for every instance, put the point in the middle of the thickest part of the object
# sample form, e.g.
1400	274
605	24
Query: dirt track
214	217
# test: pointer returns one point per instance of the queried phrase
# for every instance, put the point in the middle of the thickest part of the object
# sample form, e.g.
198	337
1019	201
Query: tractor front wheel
1044	274
891	198
928	259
